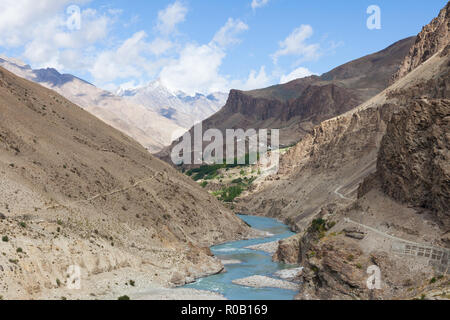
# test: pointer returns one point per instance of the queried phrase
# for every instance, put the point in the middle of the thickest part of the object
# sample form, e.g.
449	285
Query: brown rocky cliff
414	158
317	102
433	37
256	108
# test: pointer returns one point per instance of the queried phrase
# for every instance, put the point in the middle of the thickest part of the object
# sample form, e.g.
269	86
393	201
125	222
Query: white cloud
296	74
197	68
295	45
48	42
256	80
132	59
227	34
168	18
259	3
19	18
39	30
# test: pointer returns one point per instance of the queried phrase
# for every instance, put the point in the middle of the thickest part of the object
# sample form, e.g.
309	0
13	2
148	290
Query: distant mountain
298	106
145	125
183	109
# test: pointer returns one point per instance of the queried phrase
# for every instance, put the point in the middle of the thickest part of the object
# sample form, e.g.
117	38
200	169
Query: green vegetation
19	250
209	172
230	193
132	283
229	190
205	172
321	226
318	226
237	181
23	224
124	298
5	239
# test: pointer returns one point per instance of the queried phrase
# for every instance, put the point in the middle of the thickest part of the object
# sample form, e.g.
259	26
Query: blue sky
202	46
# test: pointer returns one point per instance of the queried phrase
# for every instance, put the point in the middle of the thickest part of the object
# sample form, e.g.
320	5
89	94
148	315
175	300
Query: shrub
231	193
236	181
5	239
124	298
318	225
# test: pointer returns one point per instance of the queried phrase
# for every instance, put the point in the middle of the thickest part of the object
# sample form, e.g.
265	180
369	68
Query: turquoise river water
253	263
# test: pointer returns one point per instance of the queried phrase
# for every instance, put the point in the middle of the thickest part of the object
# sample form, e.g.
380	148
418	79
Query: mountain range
296	107
76	191
183	109
151	115
363	180
364	174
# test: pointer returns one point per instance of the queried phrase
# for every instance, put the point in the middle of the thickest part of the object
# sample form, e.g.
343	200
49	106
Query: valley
362	189
348	199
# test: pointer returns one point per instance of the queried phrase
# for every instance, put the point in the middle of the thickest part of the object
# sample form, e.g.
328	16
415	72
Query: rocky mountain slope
145	125
370	188
433	38
296	107
75	191
414	158
183	109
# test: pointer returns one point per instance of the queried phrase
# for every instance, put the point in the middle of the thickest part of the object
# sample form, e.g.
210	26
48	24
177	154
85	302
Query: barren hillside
75	191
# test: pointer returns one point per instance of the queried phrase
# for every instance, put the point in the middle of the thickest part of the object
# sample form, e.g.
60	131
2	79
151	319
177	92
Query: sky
202	46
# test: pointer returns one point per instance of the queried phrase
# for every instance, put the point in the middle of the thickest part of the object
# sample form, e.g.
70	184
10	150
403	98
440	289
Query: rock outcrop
289	250
414	157
434	37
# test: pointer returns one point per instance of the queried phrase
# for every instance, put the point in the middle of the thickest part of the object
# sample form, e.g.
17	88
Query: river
252	263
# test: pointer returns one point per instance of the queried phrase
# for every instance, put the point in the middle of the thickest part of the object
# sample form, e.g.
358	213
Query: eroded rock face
414	158
289	250
430	40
